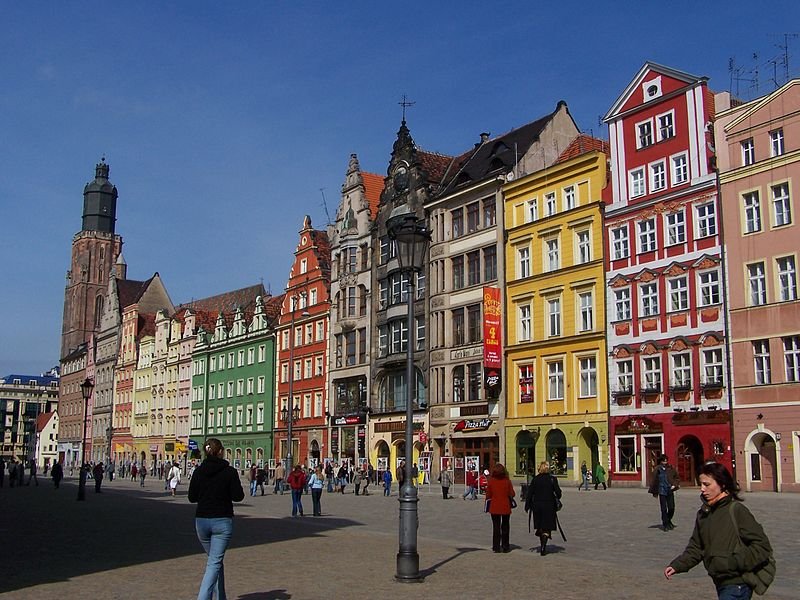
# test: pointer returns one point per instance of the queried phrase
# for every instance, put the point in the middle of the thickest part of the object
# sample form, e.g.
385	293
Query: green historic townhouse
233	384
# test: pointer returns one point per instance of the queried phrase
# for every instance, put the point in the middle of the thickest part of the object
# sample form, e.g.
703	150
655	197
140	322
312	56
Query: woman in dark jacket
499	493
540	500
214	486
726	537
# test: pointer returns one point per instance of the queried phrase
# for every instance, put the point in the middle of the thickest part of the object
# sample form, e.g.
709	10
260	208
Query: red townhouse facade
303	335
666	319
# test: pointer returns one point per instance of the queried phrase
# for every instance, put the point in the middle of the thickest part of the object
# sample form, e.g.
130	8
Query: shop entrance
689	459
486	448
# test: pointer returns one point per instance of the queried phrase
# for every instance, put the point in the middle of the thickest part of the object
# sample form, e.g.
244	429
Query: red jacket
296	479
500	492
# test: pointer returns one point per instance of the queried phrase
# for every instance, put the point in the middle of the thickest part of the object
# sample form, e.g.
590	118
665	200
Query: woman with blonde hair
215	486
499	495
540	501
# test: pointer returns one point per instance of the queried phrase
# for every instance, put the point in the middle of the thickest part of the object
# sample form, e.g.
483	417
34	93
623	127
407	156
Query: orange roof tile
582	144
373	186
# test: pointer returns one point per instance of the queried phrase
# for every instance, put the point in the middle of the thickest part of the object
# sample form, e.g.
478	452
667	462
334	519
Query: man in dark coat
98	477
57	473
663	485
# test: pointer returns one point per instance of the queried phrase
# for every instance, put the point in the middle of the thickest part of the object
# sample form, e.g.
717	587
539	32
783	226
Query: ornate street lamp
295	409
86	391
411	237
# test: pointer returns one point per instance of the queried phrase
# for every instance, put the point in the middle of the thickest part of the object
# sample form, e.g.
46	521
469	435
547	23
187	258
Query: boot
543	550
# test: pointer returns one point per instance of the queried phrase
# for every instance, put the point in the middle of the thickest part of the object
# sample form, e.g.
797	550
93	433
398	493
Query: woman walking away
499	494
316	482
541	499
215	486
727	538
599	476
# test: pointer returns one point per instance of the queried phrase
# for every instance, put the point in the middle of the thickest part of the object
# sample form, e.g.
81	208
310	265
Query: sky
225	123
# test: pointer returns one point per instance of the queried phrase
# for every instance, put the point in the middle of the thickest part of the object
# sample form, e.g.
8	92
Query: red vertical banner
492	342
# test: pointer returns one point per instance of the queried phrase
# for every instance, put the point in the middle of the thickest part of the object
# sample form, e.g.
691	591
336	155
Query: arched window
556	444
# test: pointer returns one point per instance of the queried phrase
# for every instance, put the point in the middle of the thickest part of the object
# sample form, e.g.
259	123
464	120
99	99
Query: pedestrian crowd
726	537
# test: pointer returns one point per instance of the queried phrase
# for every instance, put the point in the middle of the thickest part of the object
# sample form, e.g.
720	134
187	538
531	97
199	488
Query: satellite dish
510	176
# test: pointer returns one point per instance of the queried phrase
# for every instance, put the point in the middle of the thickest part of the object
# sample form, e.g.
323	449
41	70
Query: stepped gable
582	144
373	187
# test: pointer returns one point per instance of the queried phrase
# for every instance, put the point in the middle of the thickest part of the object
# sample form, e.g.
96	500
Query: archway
588	444
525	444
556	447
315	454
688	459
383	454
763	462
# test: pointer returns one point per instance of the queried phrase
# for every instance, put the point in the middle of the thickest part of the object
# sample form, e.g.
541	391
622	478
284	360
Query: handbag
487	505
513	502
761	578
559	504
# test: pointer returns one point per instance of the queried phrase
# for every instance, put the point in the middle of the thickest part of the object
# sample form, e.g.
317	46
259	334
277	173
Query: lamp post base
407	556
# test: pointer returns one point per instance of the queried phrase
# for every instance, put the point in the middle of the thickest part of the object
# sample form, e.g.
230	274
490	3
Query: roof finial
405	103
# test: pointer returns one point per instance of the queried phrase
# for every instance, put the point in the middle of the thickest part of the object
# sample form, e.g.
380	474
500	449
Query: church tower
95	251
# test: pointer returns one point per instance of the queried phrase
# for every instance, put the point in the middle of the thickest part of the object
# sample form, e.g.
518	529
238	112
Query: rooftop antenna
785	58
325	206
405	103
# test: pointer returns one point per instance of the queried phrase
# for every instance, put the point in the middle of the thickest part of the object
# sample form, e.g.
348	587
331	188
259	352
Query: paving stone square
132	542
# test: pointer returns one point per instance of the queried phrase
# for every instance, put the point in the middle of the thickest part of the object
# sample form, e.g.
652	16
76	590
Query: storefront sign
639	425
466	353
350	420
470	425
154	448
492	349
193	445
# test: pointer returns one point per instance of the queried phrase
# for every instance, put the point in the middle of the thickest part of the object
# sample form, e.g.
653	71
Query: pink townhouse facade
758	148
664	296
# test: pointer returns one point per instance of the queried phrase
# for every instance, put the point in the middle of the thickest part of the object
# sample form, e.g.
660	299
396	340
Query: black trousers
667	509
501	524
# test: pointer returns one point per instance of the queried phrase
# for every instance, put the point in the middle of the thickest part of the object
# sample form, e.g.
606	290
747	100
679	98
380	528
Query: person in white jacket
174	477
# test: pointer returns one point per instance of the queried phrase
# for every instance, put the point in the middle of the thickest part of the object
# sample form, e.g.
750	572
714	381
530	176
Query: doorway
688	459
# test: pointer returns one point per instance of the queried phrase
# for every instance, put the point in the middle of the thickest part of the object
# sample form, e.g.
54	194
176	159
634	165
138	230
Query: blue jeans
734	592
471	491
316	494
253	488
297	502
214	535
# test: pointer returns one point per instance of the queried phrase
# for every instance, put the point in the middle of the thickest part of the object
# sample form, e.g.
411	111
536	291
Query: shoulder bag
761	578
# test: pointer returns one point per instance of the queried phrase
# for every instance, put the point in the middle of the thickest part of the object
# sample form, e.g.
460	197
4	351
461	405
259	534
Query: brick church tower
95	251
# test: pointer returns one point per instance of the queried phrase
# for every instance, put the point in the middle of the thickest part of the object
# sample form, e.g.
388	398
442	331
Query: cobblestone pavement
132	542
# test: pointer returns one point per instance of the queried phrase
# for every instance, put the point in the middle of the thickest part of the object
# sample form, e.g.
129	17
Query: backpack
761	578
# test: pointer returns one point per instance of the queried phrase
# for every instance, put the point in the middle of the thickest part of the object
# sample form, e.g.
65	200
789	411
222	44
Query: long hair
719	473
212	447
544	467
